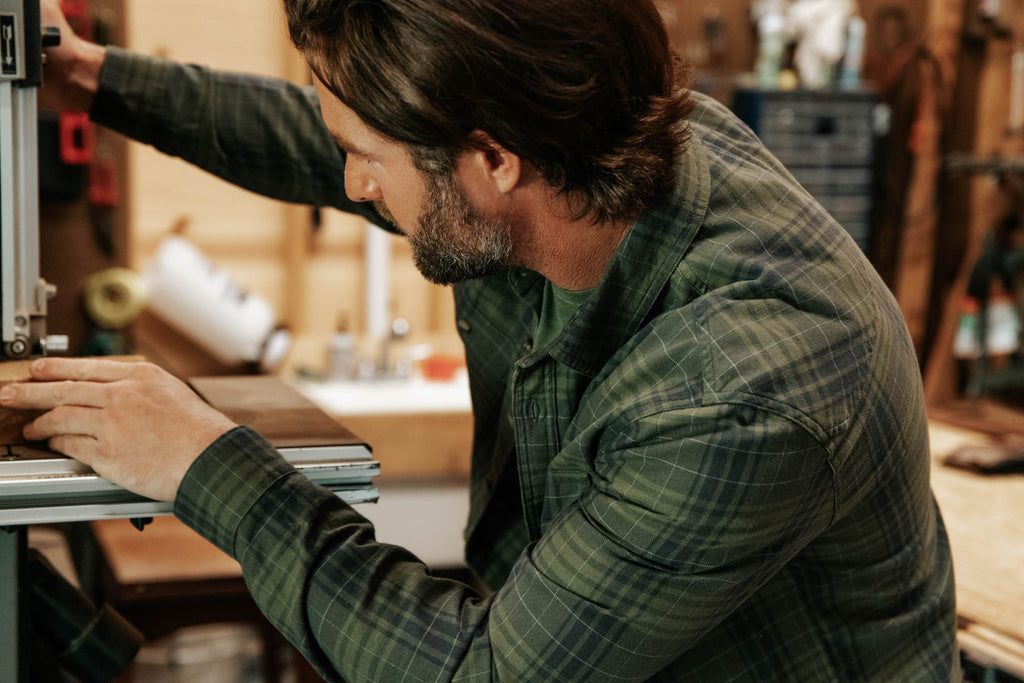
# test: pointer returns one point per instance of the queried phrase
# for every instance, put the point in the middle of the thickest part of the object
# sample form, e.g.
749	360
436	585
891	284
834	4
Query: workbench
984	516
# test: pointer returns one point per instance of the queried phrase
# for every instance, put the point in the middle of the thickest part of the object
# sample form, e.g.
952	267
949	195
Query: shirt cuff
224	483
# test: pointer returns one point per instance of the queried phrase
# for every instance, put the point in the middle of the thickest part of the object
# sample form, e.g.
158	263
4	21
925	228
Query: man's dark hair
587	91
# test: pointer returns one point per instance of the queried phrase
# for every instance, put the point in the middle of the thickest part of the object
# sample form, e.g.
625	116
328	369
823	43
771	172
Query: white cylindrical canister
199	299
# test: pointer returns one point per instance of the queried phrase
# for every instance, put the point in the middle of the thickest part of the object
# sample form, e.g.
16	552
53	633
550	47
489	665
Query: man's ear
492	164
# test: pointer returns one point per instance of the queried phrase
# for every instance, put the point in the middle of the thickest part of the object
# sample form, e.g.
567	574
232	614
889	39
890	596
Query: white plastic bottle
200	300
771	44
853	56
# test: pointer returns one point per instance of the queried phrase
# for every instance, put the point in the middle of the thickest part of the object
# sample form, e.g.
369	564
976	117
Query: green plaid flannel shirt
718	471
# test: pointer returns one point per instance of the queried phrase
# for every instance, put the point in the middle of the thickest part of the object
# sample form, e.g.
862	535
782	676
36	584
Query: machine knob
51	36
19	347
55	343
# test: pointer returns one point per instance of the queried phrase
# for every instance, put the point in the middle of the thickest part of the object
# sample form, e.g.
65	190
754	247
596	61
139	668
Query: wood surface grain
275	410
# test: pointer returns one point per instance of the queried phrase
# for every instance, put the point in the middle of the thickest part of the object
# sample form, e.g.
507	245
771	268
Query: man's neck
571	253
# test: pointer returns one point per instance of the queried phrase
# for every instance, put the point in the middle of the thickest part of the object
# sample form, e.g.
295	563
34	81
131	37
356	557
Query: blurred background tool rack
826	139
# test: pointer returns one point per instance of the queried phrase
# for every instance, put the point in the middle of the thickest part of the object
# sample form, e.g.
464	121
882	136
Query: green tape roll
113	297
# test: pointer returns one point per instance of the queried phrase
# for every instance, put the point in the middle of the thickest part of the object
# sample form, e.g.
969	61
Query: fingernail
6	395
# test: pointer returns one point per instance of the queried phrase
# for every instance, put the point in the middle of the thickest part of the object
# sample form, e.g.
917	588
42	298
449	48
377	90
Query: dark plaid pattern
717	472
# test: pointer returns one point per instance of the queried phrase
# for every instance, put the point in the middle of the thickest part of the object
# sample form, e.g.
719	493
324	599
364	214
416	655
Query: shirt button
463	325
745	416
533	410
528	345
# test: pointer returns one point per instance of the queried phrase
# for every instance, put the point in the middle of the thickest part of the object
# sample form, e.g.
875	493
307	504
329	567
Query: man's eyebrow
348	147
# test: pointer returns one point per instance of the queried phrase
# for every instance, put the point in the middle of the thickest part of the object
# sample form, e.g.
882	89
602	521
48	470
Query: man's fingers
77	446
61	421
44	395
91	369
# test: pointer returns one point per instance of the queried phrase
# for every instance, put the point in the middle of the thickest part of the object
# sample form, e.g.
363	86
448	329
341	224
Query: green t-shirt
556	308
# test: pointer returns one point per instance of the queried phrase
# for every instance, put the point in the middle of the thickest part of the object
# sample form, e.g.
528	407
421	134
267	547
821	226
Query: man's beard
453	241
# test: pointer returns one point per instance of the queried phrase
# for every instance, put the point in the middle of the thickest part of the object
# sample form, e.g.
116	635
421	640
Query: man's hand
132	423
72	71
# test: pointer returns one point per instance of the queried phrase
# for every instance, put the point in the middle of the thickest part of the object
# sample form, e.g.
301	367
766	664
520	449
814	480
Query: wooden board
272	408
276	411
13	421
984	521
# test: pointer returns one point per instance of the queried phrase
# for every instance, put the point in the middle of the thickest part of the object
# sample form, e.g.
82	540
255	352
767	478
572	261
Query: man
700	450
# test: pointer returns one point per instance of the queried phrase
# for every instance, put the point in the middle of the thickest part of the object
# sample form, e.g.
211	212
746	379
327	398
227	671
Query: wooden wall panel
336	290
244	35
220	216
247	35
688	22
339	232
410	300
335	275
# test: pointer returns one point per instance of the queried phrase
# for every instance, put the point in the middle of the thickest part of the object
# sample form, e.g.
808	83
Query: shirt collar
638	272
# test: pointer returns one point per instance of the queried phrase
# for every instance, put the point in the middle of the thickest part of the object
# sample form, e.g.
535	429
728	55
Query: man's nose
360	184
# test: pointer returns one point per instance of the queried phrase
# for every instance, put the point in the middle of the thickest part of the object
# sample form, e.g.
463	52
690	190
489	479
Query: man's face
451	241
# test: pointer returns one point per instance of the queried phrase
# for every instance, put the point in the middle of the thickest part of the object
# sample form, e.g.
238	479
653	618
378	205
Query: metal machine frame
20	42
39	486
23	294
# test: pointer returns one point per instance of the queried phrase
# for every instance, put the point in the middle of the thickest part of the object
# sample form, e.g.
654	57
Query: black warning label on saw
8	45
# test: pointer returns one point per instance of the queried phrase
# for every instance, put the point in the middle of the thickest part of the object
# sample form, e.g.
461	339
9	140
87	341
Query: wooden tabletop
166	551
984	517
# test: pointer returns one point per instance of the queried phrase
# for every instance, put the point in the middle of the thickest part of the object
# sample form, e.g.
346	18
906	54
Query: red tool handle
77	141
